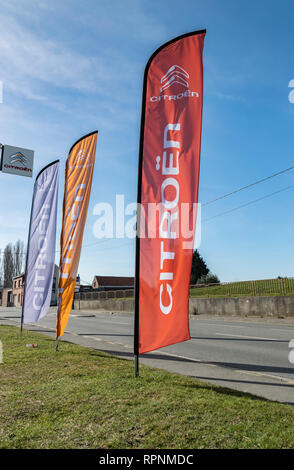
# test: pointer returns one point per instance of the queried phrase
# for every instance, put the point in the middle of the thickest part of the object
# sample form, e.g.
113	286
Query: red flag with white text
168	182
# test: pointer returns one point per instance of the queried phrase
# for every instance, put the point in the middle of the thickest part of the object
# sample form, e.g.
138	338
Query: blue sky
69	67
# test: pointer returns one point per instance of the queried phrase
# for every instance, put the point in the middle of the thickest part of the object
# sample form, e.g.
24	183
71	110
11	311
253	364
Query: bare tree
13	262
18	258
8	266
1	267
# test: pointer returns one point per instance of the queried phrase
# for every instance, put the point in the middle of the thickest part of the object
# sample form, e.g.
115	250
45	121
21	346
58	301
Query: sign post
17	160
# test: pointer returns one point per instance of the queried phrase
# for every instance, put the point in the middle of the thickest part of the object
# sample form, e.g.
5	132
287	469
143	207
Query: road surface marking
277	377
92	337
251	337
288	330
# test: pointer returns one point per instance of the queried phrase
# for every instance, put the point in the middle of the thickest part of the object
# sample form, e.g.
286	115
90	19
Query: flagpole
137	285
138	226
136	313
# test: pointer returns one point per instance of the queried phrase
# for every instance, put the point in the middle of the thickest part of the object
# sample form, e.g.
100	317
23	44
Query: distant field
246	288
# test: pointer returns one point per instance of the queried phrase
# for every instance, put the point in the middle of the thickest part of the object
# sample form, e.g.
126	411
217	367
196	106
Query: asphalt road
250	355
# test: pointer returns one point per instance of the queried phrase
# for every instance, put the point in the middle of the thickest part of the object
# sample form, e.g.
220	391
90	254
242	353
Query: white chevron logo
175	74
82	155
18	158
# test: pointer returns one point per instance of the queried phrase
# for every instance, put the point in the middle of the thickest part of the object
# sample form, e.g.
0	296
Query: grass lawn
81	398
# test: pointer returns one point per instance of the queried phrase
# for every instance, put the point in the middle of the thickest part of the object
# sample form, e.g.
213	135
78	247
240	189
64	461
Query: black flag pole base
57	342
21	322
136	365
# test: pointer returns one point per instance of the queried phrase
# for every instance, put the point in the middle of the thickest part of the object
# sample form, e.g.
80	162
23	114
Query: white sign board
17	161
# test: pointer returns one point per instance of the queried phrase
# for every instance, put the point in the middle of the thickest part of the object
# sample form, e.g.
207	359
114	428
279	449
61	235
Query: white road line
177	355
105	341
284	330
250	337
278	377
92	337
224	325
233	326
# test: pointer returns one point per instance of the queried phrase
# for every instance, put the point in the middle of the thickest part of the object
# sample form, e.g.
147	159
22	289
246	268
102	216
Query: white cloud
25	56
30	57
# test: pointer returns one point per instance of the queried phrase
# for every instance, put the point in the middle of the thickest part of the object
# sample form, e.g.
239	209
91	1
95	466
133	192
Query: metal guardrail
271	287
101	295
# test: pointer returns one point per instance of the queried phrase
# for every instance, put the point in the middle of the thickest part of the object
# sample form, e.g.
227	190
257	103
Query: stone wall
236	306
272	306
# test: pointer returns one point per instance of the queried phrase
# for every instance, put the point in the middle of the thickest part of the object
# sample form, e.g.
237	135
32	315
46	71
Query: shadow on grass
222	390
207	385
252	382
237	393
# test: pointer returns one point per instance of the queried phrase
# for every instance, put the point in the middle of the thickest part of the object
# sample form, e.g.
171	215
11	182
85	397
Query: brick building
6	299
112	282
17	290
14	297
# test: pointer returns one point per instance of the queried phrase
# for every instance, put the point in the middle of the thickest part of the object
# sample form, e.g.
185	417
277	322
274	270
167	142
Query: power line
23	254
248	186
248	203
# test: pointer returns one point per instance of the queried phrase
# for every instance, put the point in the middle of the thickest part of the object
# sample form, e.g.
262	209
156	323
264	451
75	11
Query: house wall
17	291
6	297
